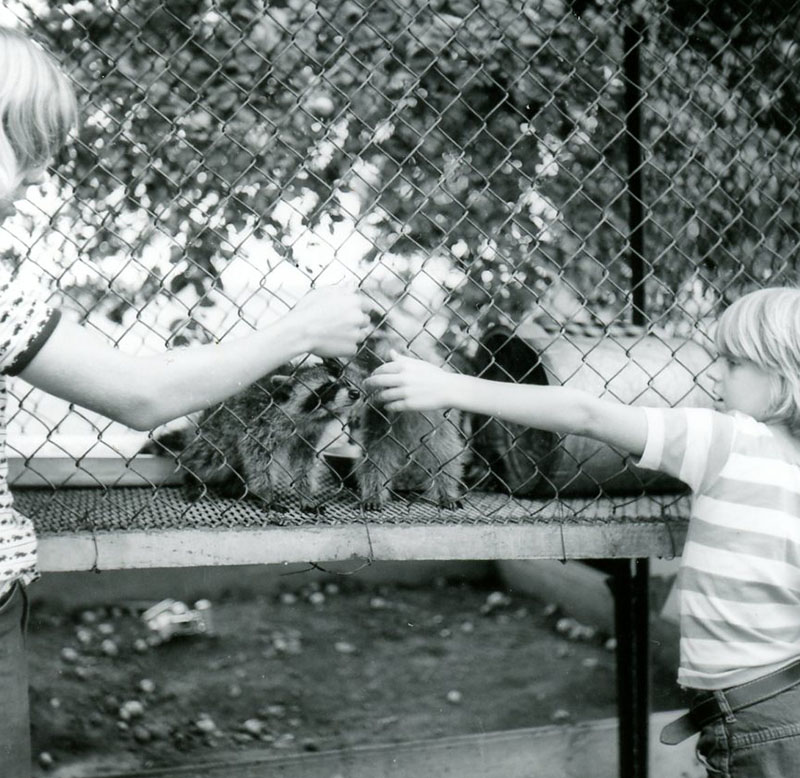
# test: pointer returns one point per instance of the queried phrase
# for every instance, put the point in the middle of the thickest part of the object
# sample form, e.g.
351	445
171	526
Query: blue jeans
15	736
762	741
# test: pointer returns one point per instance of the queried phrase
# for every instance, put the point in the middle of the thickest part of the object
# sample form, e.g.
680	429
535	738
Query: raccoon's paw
318	509
375	504
194	490
451	503
273	507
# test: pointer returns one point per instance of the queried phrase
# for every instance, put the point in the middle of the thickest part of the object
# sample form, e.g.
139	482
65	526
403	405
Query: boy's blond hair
764	327
37	109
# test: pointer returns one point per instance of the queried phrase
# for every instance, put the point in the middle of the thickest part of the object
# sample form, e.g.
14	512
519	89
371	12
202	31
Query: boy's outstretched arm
406	384
143	392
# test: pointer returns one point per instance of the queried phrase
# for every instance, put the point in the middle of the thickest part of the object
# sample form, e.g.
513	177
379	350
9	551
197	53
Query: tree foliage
490	131
724	146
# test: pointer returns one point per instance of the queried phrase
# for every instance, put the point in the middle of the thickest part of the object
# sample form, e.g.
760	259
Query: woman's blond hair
37	109
764	327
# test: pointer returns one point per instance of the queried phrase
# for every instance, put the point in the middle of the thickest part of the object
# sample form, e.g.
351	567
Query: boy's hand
332	321
407	384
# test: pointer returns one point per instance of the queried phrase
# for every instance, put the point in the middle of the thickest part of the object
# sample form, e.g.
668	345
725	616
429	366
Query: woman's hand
331	321
407	384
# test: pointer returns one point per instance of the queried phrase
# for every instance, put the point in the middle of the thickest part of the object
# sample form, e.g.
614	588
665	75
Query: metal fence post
633	38
630	583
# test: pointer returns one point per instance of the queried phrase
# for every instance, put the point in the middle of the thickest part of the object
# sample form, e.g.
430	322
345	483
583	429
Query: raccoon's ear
333	366
281	386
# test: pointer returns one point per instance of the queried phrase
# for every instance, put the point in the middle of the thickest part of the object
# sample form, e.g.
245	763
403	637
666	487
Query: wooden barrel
626	366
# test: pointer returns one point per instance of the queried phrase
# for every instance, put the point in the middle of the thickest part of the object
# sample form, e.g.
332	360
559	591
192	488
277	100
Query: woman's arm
143	392
411	384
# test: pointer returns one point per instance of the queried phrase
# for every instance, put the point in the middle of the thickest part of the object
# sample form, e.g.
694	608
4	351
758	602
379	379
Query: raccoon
266	439
406	450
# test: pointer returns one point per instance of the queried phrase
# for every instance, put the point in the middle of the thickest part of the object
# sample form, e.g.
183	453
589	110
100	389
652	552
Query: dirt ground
328	666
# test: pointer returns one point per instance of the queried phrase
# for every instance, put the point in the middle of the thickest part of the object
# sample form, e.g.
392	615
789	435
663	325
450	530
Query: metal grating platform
124	527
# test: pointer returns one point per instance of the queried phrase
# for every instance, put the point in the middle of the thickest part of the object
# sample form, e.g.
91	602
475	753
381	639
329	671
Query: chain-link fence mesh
532	191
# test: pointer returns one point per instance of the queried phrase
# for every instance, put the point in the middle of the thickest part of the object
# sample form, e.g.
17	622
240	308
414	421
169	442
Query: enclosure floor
79	510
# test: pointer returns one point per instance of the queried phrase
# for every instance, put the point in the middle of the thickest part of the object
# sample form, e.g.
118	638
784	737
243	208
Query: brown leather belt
707	708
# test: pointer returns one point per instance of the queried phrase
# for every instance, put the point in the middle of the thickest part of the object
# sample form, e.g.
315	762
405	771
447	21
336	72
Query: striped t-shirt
739	580
26	322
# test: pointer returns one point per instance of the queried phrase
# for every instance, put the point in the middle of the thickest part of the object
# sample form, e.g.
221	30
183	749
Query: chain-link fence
533	191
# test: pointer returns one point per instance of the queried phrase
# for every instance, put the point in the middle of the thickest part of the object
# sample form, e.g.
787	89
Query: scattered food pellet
495	600
581	632
84	636
563	625
343	647
45	760
278	711
253	726
560	715
454	696
205	723
130	710
109	647
142	734
69	654
574	630
147	686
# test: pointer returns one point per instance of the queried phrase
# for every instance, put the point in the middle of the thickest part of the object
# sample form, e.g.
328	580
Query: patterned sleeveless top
26	322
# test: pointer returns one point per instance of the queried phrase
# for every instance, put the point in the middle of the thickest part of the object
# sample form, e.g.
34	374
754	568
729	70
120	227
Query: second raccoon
410	451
